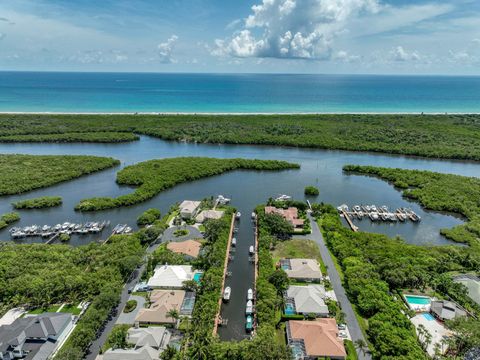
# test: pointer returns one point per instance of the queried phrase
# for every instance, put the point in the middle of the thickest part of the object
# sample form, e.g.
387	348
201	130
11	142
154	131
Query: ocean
236	93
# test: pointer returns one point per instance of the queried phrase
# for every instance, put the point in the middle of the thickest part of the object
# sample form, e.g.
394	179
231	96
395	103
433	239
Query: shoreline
230	113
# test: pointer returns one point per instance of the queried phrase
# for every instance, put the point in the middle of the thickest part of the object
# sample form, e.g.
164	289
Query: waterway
241	278
322	168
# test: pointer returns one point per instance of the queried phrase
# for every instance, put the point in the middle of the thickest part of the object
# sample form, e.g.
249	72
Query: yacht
249	323
222	200
127	230
249	307
65	225
250	294
226	293
234	242
254	216
45	228
283	197
251	250
238	214
57	227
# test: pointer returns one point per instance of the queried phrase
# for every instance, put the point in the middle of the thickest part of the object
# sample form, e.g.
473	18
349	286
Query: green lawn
298	248
280	335
51	308
72	309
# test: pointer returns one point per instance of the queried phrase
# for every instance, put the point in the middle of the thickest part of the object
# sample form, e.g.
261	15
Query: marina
50	232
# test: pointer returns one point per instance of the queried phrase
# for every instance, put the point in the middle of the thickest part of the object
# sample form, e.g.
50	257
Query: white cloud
298	29
344	56
165	50
400	54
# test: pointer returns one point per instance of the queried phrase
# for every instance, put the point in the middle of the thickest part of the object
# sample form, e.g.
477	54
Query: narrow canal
242	273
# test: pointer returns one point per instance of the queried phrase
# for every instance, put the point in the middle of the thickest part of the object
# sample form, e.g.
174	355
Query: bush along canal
236	309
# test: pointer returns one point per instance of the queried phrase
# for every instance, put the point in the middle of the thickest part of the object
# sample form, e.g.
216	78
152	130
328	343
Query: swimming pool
417	300
428	316
197	277
289	309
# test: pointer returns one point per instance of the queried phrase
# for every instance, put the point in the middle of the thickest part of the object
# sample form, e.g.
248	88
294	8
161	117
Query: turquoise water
143	92
417	300
197	277
428	316
289	309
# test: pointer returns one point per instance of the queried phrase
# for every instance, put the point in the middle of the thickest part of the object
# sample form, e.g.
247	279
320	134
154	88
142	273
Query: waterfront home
315	339
189	248
306	300
189	209
472	283
171	276
34	336
148	343
209	215
290	214
307	270
446	310
162	302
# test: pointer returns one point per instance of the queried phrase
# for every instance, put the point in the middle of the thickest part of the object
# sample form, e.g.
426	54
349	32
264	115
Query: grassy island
38	203
22	173
435	136
8	218
436	191
153	176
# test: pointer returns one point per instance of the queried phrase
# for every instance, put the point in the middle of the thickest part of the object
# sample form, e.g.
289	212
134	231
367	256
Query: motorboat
45	228
357	208
234	242
249	323
249	307
226	293
18	234
127	230
251	250
254	216
222	200
283	197
57	227
238	214
65	225
250	294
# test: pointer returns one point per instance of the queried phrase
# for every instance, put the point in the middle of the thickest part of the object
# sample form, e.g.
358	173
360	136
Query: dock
377	213
349	221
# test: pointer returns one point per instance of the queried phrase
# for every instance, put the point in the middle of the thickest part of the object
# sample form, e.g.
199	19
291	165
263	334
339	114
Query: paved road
193	233
97	344
352	323
129	318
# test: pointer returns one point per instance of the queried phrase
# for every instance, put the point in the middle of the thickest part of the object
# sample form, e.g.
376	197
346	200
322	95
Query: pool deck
434	327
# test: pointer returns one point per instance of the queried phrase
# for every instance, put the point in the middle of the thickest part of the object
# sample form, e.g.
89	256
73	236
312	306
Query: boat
226	293
222	200
250	294
357	208
65	225
283	197
234	242
249	323
238	214
254	216
127	230
249	307
77	227
45	228
251	250
18	234
57	227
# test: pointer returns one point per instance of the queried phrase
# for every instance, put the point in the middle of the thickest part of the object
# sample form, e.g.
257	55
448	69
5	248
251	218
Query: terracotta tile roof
187	247
162	302
290	214
320	337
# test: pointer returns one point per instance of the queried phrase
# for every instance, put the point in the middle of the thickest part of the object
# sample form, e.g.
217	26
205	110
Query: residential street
352	323
96	345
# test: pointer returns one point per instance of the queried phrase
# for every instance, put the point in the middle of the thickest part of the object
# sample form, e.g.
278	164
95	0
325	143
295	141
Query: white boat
238	214
65	225
283	197
250	294
222	200
78	226
127	230
234	242
249	307
251	250
226	293
45	228
357	208
254	216
18	234
57	227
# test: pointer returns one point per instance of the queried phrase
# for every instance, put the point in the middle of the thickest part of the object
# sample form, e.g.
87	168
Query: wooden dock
218	319
349	221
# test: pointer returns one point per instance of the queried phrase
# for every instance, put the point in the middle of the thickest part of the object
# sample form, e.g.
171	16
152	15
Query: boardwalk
352	323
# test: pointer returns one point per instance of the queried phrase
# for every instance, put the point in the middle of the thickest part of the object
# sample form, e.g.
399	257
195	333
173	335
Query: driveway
352	323
193	233
129	318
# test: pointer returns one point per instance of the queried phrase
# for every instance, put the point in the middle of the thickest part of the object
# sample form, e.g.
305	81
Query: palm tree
173	313
361	345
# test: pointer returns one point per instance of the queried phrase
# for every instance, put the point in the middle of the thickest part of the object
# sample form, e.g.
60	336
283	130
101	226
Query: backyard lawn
298	248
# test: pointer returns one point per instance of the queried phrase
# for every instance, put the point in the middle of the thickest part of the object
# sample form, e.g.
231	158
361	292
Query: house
472	283
446	310
171	276
148	343
189	248
290	214
315	339
189	209
307	270
209	215
306	300
34	337
162	302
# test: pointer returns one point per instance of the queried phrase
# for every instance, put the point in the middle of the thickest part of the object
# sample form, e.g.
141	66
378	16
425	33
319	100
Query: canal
241	278
322	168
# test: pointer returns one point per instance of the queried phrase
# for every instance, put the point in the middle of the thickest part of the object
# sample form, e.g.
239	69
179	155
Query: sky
254	36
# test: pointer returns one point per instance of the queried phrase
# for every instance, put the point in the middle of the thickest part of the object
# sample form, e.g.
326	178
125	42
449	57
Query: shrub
148	217
311	191
38	203
130	306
